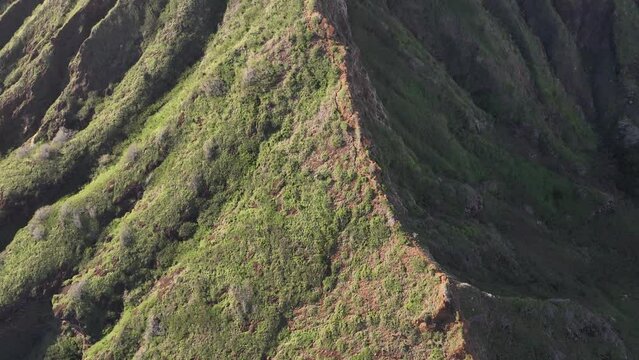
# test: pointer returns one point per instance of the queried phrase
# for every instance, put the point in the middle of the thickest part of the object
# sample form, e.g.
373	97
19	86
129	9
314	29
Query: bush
162	137
211	149
62	136
24	150
69	214
197	185
92	211
187	230
42	214
243	295
215	87
76	219
46	152
69	348
126	235
76	290
251	77
37	225
39	232
261	76
153	328
132	153
104	160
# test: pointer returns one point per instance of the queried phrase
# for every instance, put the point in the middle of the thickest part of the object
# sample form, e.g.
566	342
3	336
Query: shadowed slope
496	168
12	16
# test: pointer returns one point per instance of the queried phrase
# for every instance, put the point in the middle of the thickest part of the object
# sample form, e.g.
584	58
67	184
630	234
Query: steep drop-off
319	179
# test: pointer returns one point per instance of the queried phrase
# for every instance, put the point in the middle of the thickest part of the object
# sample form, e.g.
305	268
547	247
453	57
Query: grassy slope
222	211
280	243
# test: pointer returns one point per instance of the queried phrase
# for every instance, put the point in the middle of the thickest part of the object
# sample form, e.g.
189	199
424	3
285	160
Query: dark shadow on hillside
25	333
14	17
470	146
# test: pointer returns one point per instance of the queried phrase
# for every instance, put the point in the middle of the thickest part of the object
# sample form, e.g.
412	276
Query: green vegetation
208	211
494	153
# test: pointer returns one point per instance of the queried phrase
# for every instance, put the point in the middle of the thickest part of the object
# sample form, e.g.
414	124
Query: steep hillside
511	126
362	179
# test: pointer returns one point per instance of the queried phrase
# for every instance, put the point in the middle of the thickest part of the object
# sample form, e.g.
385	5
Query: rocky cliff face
318	179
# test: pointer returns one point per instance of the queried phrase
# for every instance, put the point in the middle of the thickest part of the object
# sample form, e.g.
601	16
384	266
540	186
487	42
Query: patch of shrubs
48	150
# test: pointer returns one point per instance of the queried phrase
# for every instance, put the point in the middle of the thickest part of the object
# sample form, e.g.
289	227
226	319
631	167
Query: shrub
39	232
62	136
162	137
92	211
76	219
197	185
261	76
46	152
69	214
76	290
214	87
436	354
37	225
251	77
65	348
243	295
187	230
211	149
132	153
24	150
126	235
338	141
153	328
104	160
42	214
